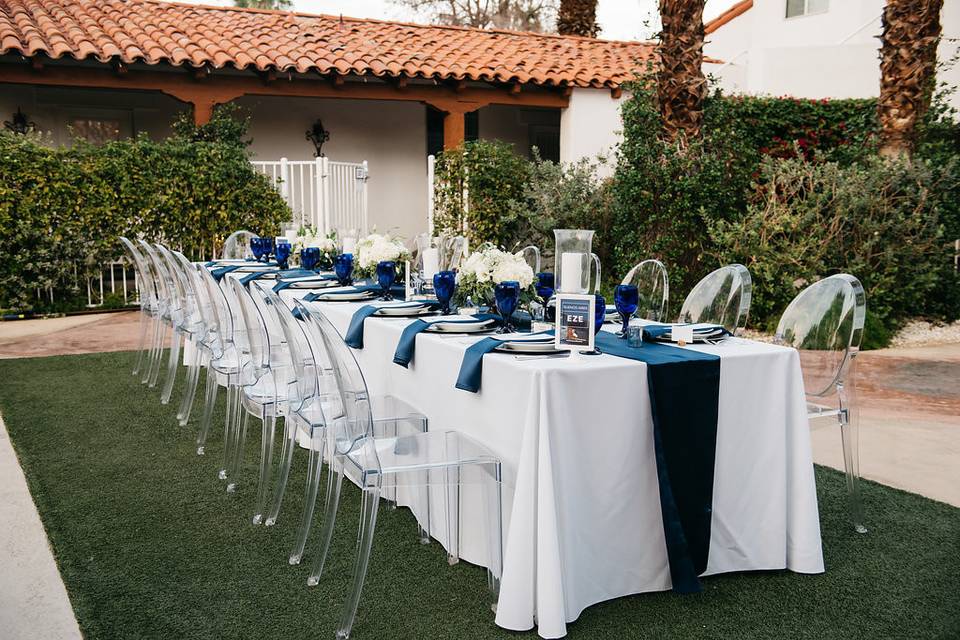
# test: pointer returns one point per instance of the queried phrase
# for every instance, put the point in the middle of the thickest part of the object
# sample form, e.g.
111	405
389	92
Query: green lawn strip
151	546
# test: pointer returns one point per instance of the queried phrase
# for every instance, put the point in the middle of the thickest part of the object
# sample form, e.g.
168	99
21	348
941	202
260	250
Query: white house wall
591	125
390	135
827	55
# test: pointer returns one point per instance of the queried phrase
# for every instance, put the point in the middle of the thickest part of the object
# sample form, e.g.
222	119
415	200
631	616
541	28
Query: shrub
61	209
562	196
475	188
877	220
665	192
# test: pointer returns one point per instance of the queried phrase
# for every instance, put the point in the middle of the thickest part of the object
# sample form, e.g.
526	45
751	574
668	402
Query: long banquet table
582	516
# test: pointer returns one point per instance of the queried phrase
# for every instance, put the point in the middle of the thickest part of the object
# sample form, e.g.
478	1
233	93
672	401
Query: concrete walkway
33	600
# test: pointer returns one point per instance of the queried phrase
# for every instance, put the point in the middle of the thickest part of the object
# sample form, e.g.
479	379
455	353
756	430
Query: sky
619	19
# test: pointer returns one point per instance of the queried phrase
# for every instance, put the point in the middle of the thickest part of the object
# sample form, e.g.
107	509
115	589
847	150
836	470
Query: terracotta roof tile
158	32
735	10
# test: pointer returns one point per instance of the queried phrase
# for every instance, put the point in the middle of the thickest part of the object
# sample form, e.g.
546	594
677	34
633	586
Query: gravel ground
919	333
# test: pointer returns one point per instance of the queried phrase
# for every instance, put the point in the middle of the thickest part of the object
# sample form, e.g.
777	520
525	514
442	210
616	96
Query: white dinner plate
346	296
527	346
315	283
461	327
405	311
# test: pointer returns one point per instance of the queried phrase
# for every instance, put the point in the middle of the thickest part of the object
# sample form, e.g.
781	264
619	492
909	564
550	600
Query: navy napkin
408	339
354	336
219	272
283	283
399	293
471	368
685	444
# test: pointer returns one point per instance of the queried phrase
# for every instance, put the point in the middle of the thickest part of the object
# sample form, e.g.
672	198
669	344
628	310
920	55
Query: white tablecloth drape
581	501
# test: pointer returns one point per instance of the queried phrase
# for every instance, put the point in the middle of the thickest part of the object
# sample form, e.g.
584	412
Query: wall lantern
318	135
20	123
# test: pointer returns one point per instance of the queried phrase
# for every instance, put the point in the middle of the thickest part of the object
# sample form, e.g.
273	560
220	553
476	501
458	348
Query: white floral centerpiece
376	248
308	236
486	268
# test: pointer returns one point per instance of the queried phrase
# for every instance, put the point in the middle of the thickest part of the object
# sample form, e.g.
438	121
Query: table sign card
574	324
682	333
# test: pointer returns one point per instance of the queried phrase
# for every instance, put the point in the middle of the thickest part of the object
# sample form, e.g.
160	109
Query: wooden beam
218	89
515	88
616	92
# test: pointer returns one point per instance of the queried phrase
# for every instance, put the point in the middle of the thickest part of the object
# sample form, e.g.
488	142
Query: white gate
328	195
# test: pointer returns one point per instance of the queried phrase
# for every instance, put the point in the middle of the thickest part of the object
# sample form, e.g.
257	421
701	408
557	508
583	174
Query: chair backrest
531	253
722	297
258	339
145	281
349	422
221	320
237	245
182	291
650	278
825	323
161	277
301	356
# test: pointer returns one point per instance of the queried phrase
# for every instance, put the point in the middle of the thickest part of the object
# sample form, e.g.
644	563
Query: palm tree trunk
908	61
681	85
578	18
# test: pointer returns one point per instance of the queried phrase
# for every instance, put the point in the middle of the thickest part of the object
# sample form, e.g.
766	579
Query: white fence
328	195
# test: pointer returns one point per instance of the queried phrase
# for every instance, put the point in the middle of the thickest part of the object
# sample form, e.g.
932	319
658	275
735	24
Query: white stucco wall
391	136
827	55
591	125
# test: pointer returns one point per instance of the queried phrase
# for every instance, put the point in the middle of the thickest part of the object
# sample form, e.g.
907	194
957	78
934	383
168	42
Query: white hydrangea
379	248
494	266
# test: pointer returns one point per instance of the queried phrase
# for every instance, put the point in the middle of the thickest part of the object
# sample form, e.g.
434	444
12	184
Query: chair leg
142	344
228	430
334	482
368	524
849	433
287	448
494	513
173	363
190	392
155	369
239	429
209	402
155	339
266	465
452	486
314	470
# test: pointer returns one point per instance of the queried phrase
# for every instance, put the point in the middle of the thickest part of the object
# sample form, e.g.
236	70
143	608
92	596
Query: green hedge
61	209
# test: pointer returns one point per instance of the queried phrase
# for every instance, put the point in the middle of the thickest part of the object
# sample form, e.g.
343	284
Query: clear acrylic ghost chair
237	246
149	303
722	297
531	254
314	388
446	459
170	308
825	324
265	380
206	322
160	315
187	324
452	251
650	278
226	363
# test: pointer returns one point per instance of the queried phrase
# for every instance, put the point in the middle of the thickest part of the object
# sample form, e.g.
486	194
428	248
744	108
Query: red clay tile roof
157	32
736	10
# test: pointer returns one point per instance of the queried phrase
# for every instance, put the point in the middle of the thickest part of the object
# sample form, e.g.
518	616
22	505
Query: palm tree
263	4
681	85
908	61
578	18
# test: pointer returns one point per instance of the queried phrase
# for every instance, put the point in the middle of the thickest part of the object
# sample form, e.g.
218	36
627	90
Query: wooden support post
454	129
202	112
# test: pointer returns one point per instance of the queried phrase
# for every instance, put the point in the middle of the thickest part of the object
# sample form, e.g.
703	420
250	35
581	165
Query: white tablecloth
581	508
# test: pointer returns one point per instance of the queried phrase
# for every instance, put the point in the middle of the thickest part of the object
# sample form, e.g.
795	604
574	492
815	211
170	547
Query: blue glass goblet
507	295
282	251
386	276
267	248
444	285
599	315
343	268
309	258
627	298
256	247
545	285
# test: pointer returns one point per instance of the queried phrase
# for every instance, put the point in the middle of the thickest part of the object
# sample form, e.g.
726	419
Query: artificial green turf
150	545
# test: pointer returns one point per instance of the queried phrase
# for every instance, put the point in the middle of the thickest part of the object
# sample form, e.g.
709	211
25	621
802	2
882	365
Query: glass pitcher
574	261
